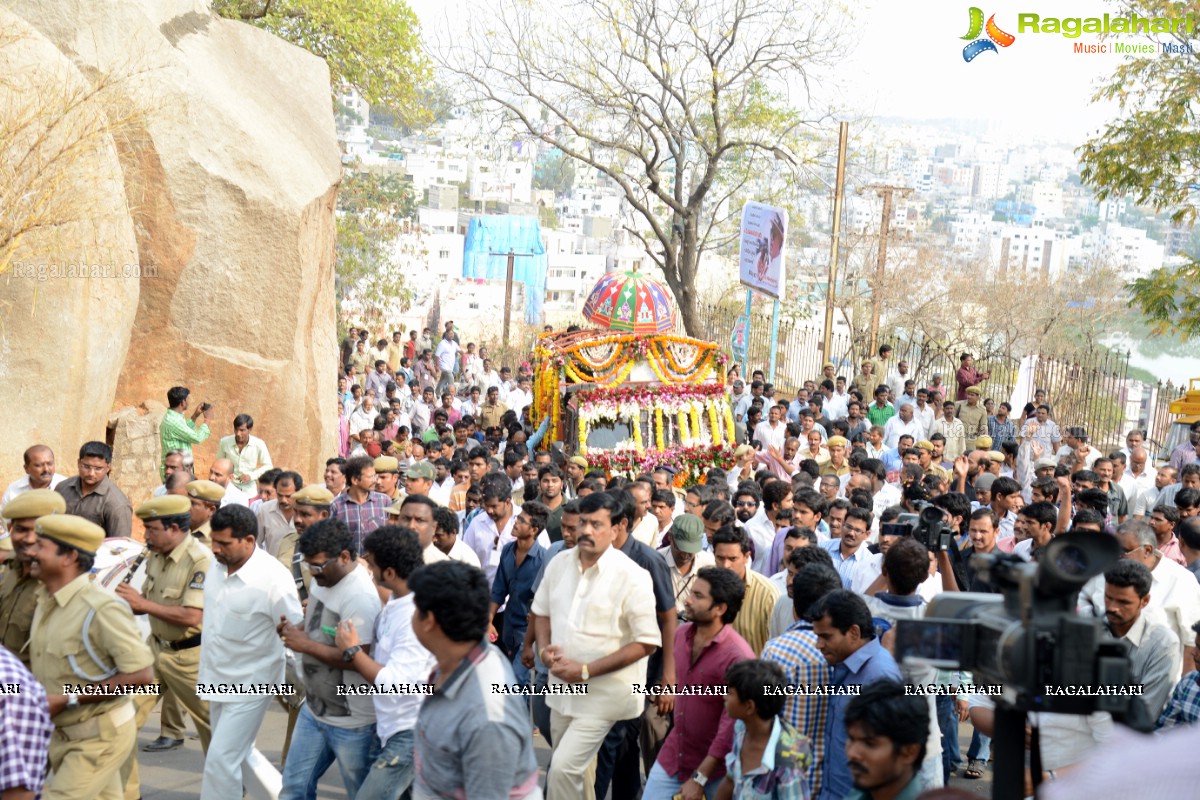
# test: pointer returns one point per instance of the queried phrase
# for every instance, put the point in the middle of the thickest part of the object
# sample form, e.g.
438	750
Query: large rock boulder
229	170
64	333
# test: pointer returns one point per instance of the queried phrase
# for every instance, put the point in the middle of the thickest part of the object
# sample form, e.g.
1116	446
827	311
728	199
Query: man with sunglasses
337	722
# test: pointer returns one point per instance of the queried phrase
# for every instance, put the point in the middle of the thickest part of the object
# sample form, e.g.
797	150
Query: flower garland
730	428
683	427
712	422
582	436
637	434
658	428
694	421
689	462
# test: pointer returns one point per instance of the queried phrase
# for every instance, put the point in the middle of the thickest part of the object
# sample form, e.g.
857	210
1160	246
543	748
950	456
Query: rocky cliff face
217	184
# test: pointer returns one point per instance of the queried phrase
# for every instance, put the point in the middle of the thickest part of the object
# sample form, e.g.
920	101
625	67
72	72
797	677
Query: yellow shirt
753	622
57	637
177	579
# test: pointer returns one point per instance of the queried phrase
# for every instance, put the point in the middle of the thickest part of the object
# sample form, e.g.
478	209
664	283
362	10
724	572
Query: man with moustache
18	587
39	474
605	645
886	730
335	723
173	598
416	512
241	648
94	729
276	517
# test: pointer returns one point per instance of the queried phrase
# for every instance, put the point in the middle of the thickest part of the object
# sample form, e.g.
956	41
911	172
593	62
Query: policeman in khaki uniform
18	588
312	505
83	637
173	597
205	497
388	478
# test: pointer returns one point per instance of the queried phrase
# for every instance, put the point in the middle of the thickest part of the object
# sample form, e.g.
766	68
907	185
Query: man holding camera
178	432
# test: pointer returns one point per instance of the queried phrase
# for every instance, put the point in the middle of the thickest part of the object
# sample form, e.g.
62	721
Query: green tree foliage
1151	154
375	241
372	45
689	108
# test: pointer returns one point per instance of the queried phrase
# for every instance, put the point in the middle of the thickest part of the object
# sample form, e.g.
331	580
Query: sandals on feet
975	769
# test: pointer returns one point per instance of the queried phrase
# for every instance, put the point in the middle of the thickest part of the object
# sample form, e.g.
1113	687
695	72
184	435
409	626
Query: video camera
1029	638
928	526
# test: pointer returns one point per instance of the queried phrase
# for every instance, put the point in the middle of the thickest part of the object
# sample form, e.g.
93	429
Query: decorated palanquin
632	396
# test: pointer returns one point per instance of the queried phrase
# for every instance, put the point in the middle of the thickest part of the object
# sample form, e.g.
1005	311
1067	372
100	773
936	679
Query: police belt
182	644
90	729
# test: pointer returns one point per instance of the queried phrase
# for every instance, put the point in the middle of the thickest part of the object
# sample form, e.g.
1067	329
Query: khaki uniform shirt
58	635
177	579
489	416
974	422
203	534
18	600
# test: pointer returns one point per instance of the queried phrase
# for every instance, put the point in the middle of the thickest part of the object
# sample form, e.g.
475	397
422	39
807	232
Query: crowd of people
448	592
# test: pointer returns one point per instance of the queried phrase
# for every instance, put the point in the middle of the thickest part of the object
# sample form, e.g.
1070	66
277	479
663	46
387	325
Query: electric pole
886	193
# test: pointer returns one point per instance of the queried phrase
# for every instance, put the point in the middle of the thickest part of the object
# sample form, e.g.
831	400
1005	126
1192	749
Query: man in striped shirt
25	730
731	549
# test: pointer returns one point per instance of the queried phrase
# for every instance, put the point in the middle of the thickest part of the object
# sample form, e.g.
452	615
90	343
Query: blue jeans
948	722
981	747
661	786
316	745
392	773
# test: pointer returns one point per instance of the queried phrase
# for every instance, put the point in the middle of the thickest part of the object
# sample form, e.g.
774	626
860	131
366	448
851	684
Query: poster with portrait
764	234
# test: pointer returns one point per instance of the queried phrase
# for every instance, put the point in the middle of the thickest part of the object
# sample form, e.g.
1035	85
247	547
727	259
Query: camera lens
1071	560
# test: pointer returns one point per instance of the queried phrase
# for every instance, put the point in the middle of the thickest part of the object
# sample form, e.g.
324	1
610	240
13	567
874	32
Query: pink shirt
1171	550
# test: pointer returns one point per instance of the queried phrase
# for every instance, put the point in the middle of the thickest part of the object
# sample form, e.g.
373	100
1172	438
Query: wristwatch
72	700
583	673
699	778
350	652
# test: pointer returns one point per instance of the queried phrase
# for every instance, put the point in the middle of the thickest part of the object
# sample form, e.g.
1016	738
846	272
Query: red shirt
702	728
410	351
967	377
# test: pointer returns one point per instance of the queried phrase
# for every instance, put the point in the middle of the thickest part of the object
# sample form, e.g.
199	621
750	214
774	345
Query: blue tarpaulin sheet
485	255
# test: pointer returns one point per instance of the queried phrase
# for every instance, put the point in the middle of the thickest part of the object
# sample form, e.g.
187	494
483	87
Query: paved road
175	775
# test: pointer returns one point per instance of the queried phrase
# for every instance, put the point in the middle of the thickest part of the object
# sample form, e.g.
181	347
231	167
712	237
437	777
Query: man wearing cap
94	731
92	495
18	587
310	505
576	468
173	598
685	556
387	478
206	498
419	481
973	415
837	465
276	517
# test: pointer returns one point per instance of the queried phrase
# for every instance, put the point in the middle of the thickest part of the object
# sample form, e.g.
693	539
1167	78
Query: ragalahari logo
995	36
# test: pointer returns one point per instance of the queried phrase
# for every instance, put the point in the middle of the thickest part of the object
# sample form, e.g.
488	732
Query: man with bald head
221	472
1139	476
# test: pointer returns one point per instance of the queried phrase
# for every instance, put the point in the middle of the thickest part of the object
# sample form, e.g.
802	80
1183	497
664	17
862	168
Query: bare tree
687	106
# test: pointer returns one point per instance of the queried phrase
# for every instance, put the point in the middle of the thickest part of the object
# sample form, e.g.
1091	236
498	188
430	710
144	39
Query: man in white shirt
248	454
748	507
39	474
447	360
246	594
772	432
685	556
520	397
904	423
1174	597
335	723
446	538
221	473
595	623
397	660
489	532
